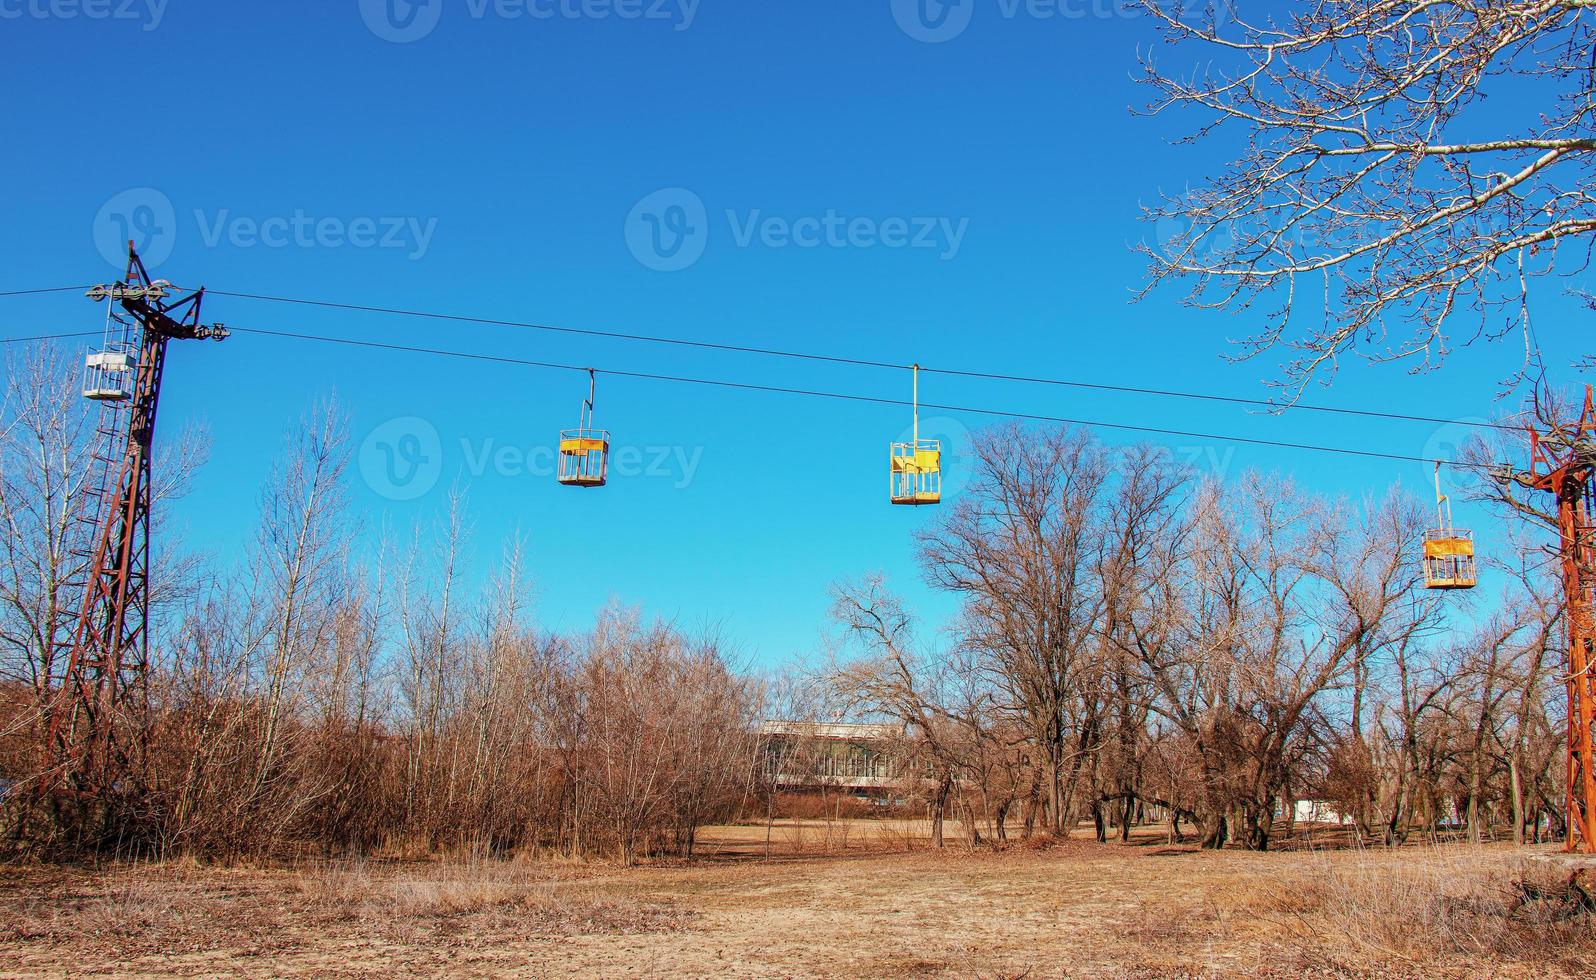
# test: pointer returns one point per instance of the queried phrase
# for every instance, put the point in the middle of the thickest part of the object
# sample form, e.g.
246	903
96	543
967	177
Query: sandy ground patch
1076	909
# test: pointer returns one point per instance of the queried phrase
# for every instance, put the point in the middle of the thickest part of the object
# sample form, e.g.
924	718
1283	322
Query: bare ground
824	904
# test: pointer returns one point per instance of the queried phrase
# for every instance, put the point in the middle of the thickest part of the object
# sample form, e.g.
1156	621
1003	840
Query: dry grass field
851	900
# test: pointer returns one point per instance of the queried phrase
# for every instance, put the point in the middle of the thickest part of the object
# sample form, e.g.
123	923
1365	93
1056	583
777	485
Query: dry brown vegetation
1134	646
348	762
869	908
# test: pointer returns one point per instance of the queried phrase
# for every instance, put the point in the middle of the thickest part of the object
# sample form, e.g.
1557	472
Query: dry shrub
1441	905
512	894
128	904
342	883
1168	925
817	837
430	889
895	835
133	903
455	895
816	806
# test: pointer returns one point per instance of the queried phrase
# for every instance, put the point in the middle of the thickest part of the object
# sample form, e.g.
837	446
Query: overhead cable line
49	336
1274	407
34	292
841	396
857	361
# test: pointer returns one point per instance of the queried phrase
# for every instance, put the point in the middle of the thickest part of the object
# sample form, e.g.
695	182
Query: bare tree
662	739
898	681
44	437
47	446
303	554
1280	594
1019	548
1365	198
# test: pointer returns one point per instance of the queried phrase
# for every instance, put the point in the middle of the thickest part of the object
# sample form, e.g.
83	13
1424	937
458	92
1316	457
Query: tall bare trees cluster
1135	642
316	696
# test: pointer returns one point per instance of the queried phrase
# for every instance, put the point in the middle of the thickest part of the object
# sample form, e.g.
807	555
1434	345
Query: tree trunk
1518	801
1215	831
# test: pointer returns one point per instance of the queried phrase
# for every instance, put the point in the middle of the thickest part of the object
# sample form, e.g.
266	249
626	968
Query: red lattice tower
1562	463
96	719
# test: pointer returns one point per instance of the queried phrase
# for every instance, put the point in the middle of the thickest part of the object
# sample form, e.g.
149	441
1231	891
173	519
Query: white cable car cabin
585	451
106	375
916	466
1448	551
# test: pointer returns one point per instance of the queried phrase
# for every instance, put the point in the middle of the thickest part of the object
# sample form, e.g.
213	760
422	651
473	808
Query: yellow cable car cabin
917	472
1449	559
916	466
585	451
584	457
1448	552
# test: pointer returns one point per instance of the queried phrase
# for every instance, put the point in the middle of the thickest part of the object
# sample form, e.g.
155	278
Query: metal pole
917	408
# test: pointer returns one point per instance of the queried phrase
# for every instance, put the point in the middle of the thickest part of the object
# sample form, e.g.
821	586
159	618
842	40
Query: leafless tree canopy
316	696
1404	170
1137	645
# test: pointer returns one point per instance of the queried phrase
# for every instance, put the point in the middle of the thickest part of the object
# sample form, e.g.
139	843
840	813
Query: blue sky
982	194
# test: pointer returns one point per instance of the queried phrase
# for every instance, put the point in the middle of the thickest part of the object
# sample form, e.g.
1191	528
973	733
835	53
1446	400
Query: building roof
841	730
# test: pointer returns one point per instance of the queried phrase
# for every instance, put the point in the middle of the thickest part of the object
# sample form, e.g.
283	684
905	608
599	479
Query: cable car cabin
106	375
1449	559
584	457
917	472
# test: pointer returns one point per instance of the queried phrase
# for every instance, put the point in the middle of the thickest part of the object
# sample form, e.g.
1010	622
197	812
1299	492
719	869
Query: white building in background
1315	811
864	758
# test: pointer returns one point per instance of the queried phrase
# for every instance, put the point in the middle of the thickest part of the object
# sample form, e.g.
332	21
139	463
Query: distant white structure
1315	811
806	755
